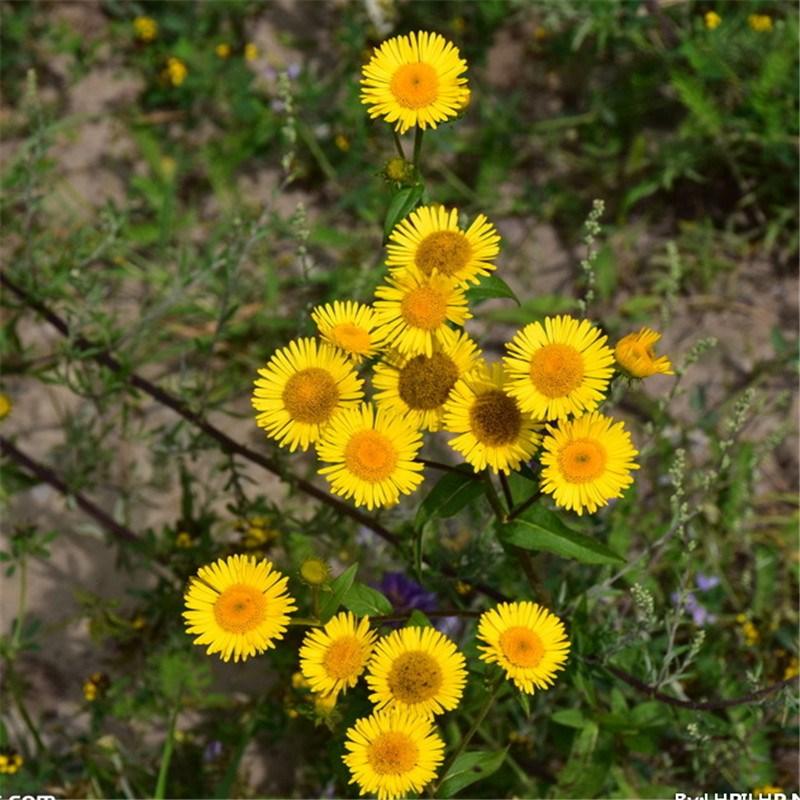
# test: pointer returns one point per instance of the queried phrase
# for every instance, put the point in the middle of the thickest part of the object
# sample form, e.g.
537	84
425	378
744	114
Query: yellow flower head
176	71
324	704
184	540
761	23
634	354
333	657
223	50
418	669
342	142
95	685
792	669
393	753
349	326
712	20
493	430
301	390
371	455
314	571
145	28
419	386
238	607
431	240
250	52
527	641
398	170
414	80
559	368
587	461
413	310
5	405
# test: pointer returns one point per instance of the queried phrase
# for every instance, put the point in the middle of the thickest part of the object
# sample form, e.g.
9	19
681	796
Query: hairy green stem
465	740
418	133
398	144
166	754
23	589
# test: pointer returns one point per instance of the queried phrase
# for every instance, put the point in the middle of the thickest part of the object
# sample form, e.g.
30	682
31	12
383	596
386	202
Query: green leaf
339	588
418	620
470	767
452	492
365	601
538	528
583	774
569	717
490	287
403	203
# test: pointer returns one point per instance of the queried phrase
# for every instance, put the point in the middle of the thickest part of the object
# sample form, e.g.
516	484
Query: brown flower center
495	418
425	382
414	677
445	251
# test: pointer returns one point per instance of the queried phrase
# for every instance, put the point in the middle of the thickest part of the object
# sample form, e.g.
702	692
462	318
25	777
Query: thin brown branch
229	446
695	705
46	475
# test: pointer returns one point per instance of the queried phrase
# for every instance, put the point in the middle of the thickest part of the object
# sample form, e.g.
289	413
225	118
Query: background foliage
184	228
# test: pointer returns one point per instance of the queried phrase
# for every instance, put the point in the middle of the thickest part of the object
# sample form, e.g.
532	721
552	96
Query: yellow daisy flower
371	454
760	22
418	669
414	80
413	310
493	430
348	326
301	389
333	657
559	368
238	607
587	461
712	20
393	753
430	239
419	386
634	354
527	641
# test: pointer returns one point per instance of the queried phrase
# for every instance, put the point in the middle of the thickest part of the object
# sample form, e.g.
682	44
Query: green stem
398	144
494	500
166	755
507	491
16	693
418	132
23	589
487	704
315	601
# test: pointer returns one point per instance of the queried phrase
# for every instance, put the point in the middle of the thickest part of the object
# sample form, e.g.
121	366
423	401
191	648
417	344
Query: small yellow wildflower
635	355
138	622
749	631
712	20
5	405
250	52
324	703
299	681
314	571
462	587
760	23
176	71
10	762
184	540
94	686
223	50
792	669
145	28
257	533
540	33
342	142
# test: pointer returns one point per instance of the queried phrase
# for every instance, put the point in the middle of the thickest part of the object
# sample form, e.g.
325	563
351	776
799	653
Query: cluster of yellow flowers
95	686
426	372
145	28
176	71
239	607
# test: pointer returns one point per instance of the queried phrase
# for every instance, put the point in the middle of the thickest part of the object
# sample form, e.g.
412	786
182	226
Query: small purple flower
293	71
405	594
700	614
706	582
213	750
